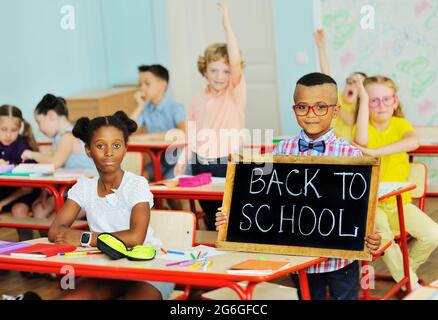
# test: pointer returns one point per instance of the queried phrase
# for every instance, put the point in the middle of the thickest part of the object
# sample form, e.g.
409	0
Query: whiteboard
403	45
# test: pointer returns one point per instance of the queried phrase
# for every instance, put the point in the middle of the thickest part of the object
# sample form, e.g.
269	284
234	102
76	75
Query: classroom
266	150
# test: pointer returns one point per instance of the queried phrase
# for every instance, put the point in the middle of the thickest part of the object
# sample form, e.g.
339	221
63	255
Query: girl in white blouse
117	202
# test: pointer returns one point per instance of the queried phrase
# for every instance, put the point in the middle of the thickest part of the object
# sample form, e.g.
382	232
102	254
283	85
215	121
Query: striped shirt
335	147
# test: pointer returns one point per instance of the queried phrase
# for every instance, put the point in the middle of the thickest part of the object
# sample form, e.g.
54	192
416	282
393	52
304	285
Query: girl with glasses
382	131
347	99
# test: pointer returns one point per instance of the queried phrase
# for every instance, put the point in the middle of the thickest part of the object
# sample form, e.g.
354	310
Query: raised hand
225	14
320	38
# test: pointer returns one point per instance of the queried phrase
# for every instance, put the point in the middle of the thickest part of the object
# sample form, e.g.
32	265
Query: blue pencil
176	252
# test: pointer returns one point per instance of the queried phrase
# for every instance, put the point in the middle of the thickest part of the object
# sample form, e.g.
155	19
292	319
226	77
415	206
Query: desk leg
156	163
304	285
59	200
404	242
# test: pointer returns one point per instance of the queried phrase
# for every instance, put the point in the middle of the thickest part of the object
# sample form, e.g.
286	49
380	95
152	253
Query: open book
34	168
41	250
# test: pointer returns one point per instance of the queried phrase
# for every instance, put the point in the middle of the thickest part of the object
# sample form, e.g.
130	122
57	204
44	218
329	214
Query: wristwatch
86	238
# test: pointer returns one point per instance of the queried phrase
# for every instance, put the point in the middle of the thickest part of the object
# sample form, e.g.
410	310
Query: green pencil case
116	249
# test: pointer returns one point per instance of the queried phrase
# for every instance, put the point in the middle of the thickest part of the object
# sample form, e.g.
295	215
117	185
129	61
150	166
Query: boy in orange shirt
218	113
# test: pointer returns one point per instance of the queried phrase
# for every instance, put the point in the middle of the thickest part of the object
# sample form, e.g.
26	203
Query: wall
293	25
135	34
38	56
111	38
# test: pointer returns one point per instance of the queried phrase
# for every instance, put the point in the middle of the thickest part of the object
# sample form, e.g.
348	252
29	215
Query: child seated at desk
117	202
156	114
315	107
382	131
12	145
51	114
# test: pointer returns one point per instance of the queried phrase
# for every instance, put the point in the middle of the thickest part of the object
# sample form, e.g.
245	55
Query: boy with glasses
315	107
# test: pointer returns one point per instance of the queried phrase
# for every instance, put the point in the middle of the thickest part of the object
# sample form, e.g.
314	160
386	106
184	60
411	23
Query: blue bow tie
318	146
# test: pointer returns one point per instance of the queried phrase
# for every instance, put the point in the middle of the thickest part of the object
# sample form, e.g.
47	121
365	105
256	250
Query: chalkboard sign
311	206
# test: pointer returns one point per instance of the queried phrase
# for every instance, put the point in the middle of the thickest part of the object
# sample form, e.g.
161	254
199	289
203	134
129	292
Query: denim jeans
218	168
342	284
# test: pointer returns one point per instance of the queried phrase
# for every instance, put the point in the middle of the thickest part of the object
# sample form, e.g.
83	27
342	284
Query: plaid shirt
334	147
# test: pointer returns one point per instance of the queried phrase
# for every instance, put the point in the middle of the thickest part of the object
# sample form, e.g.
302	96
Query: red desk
404	187
213	191
101	266
154	148
428	137
50	183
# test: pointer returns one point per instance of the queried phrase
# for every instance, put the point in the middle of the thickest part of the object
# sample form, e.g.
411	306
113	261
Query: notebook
6	247
41	250
253	266
4	168
38	168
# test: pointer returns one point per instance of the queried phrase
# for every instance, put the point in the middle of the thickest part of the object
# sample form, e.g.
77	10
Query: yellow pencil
80	253
195	265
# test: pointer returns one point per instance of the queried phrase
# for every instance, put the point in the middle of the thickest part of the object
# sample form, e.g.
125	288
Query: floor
13	283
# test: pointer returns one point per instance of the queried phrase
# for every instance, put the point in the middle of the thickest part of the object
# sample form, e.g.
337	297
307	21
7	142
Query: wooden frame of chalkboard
271	211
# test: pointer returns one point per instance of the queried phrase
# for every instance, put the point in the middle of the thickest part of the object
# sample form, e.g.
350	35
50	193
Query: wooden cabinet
101	102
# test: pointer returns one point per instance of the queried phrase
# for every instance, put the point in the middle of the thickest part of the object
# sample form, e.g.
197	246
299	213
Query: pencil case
195	181
116	249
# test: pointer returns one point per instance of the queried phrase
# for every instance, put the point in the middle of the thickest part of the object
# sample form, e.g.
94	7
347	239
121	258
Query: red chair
418	176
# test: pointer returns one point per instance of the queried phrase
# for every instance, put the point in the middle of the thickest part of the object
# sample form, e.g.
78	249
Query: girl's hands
3	162
358	82
69	238
367	151
27	155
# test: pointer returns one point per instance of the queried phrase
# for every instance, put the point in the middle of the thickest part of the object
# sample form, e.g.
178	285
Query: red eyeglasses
320	109
387	101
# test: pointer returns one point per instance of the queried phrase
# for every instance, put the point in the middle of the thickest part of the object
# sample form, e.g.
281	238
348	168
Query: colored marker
193	256
188	263
199	255
163	251
176	252
176	263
